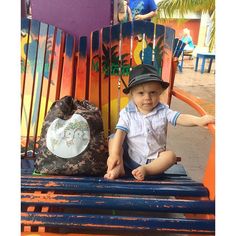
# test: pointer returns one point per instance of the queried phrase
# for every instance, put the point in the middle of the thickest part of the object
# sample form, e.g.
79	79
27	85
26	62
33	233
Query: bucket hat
142	74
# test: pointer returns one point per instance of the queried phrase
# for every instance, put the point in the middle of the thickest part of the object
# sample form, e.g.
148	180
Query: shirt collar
131	107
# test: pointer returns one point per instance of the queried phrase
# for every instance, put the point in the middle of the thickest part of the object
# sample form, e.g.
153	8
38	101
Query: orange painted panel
167	60
67	83
57	57
125	60
48	84
81	70
94	70
105	78
115	93
139	43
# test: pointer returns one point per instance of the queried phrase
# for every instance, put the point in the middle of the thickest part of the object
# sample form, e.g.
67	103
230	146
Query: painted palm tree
169	7
113	52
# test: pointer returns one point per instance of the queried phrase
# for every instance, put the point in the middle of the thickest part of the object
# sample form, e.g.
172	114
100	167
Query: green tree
169	7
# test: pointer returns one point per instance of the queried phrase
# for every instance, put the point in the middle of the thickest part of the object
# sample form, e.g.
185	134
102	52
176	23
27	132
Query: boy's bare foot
139	173
116	172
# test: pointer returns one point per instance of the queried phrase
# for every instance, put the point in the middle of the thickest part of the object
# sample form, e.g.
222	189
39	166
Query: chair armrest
194	102
197	104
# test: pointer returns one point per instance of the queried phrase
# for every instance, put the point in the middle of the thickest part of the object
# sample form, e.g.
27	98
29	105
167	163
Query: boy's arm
121	10
190	120
121	16
129	14
146	16
116	149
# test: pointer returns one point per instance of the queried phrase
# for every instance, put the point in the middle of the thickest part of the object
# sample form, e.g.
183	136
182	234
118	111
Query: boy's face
146	96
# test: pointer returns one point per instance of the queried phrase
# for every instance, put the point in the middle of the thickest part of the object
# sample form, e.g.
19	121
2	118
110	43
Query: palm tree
169	7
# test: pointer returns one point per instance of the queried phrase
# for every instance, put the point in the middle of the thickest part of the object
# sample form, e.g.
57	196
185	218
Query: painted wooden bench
53	66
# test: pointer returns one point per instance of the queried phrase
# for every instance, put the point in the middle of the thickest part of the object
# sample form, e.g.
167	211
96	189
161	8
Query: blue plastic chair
185	53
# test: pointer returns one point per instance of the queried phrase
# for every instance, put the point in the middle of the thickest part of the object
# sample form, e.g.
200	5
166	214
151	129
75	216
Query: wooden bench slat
115	73
115	188
46	99
174	175
138	42
118	223
148	50
81	91
105	77
167	61
163	177
126	58
56	74
178	47
25	27
95	70
88	180
176	169
67	82
159	47
119	203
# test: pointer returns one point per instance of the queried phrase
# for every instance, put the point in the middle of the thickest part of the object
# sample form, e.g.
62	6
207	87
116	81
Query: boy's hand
190	120
112	161
205	120
139	17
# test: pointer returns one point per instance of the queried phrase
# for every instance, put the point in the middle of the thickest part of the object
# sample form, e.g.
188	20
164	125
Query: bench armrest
198	105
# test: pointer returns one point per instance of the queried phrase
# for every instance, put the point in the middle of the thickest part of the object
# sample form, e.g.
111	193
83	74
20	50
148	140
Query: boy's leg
118	170
165	160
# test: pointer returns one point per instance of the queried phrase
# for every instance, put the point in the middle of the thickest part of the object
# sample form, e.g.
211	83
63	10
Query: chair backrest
178	47
53	67
114	51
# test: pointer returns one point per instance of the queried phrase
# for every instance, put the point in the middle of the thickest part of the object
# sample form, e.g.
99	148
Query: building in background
199	25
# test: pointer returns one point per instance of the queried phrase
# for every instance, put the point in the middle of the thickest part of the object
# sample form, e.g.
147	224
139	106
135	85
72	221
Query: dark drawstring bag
72	140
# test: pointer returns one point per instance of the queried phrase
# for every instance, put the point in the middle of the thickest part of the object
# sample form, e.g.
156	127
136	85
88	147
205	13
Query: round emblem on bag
68	138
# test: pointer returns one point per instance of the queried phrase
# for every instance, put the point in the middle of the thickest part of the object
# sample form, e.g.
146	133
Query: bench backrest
47	64
114	51
52	67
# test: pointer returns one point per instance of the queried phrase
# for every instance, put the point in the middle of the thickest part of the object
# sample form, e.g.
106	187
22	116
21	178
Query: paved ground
200	85
192	143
